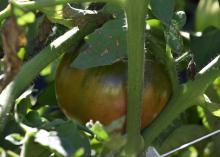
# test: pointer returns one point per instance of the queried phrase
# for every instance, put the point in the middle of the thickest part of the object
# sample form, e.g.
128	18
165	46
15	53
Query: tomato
100	93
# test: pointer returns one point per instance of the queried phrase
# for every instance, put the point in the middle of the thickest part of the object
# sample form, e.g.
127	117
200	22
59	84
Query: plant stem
28	145
185	97
171	68
135	11
68	41
46	3
5	13
33	5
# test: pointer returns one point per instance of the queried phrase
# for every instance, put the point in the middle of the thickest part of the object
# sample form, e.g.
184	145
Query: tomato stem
33	5
5	13
186	96
46	3
171	68
28	145
68	41
135	11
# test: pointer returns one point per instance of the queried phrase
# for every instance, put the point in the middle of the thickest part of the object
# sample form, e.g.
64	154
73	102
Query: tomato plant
126	64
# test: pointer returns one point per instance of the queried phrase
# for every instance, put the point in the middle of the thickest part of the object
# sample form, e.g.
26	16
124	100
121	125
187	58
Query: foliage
31	122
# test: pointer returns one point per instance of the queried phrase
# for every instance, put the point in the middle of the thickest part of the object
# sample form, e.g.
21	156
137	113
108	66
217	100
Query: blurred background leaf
207	14
205	47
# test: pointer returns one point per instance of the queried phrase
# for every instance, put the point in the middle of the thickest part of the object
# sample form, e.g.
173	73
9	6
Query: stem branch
34	5
5	13
68	41
185	97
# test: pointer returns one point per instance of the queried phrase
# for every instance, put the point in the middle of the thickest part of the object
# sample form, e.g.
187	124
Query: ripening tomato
100	93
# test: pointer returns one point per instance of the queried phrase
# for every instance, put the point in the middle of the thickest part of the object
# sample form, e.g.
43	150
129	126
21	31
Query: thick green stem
135	11
185	97
68	41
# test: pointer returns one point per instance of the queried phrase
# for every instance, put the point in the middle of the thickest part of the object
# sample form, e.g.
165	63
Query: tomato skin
100	93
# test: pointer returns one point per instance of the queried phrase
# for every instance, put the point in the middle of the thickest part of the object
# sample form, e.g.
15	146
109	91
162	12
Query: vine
186	96
68	41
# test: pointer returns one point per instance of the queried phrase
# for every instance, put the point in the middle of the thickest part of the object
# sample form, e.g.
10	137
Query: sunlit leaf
64	139
15	139
207	10
26	19
212	107
56	15
191	152
98	129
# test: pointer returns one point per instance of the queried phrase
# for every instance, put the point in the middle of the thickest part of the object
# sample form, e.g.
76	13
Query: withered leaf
12	39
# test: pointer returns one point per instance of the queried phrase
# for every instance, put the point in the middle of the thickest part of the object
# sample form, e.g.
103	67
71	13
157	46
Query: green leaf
98	129
48	96
205	47
180	18
207	14
33	119
190	152
11	154
26	19
212	107
163	10
14	138
155	40
107	38
105	46
2	152
56	15
182	135
33	149
21	109
174	39
114	9
24	115
4	3
64	139
213	124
